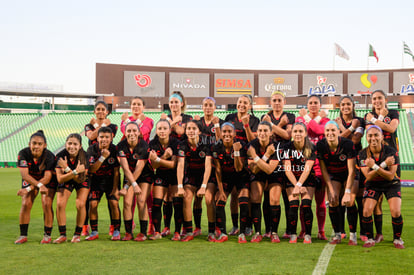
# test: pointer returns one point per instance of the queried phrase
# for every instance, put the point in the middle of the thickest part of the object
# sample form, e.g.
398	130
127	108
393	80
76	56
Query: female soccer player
163	160
104	179
379	163
337	160
145	123
281	122
193	173
299	158
262	151
133	156
36	165
388	121
71	172
315	122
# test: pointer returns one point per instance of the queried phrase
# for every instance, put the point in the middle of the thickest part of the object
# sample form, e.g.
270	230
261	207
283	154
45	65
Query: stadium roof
52	94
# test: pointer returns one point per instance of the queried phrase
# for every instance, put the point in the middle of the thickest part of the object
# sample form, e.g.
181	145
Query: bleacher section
57	126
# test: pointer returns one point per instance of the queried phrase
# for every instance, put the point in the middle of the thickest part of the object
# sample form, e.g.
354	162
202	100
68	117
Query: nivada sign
147	84
233	84
190	84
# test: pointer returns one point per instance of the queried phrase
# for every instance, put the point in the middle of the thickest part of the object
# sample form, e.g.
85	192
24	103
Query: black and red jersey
361	128
140	152
390	138
255	143
185	118
226	157
336	162
156	145
208	131
238	125
297	159
386	151
71	164
194	156
90	127
37	169
276	121
110	163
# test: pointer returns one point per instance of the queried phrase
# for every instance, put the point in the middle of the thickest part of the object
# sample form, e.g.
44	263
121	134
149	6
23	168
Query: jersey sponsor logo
23	163
135	156
111	160
91	159
342	157
362	163
215	155
232	155
202	154
387	119
121	154
181	153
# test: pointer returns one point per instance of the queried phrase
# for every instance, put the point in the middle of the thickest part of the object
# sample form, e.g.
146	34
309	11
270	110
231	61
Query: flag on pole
340	52
372	52
408	51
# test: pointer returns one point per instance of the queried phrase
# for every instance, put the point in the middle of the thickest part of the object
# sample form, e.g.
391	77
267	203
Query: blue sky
47	42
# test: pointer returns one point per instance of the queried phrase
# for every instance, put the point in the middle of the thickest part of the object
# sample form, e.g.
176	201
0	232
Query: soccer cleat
156	236
46	239
211	238
343	235
197	232
111	230
188	237
398	243
151	230
363	238
165	232
93	236
352	239
61	239
321	236
379	238
116	236
257	238
307	239
267	234
128	237
222	238
183	233
249	231
217	232
293	238
274	238
176	237
140	237
369	243
301	235
85	230
75	239
21	239
286	236
336	239
242	238
234	231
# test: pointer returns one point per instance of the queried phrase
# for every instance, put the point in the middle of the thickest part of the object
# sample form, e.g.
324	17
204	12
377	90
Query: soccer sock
117	224
156	214
360	211
307	215
94	225
397	226
293	216
334	215
128	226
87	211
341	222
109	209
275	217
62	230
352	216
23	229
212	227
197	212
286	204
244	213
78	230
221	215
48	230
266	211
188	226
367	227
178	213
378	223
320	209
144	226
149	205
235	219
167	210
257	217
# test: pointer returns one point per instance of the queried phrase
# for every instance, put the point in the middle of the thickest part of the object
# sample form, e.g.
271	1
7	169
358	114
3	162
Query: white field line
324	258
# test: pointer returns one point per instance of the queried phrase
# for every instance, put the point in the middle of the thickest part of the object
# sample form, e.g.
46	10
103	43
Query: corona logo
278	80
143	80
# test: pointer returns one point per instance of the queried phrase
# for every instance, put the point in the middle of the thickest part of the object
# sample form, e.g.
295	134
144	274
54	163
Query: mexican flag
372	52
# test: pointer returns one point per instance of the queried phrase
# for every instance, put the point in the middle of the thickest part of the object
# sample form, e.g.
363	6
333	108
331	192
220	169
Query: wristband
101	158
383	165
134	184
256	159
126	186
265	158
28	188
203	185
348	191
381	117
307	118
39	185
75	172
96	125
237	153
103	125
317	119
375	167
67	169
180	186
360	130
217	125
246	125
138	121
351	128
157	160
373	120
127	121
299	184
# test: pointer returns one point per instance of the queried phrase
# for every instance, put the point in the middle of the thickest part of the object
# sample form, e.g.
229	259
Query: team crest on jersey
232	155
202	154
23	163
158	181
387	119
121	153
135	156
213	130
342	157
111	160
91	159
181	153
25	183
362	163
215	155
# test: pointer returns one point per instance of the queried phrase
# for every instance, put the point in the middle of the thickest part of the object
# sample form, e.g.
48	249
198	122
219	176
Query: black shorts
74	185
194	179
261	176
100	187
339	177
234	180
310	182
164	180
391	191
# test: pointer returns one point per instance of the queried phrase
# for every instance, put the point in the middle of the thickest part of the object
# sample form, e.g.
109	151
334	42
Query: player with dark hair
145	123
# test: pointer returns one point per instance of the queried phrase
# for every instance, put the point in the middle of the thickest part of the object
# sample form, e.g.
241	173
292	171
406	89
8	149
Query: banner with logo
286	83
233	85
366	83
403	83
190	84
322	84
145	84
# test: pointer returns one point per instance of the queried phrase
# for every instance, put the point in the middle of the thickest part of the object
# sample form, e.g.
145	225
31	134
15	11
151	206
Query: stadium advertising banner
366	83
286	83
403	83
190	84
233	85
322	84
145	84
